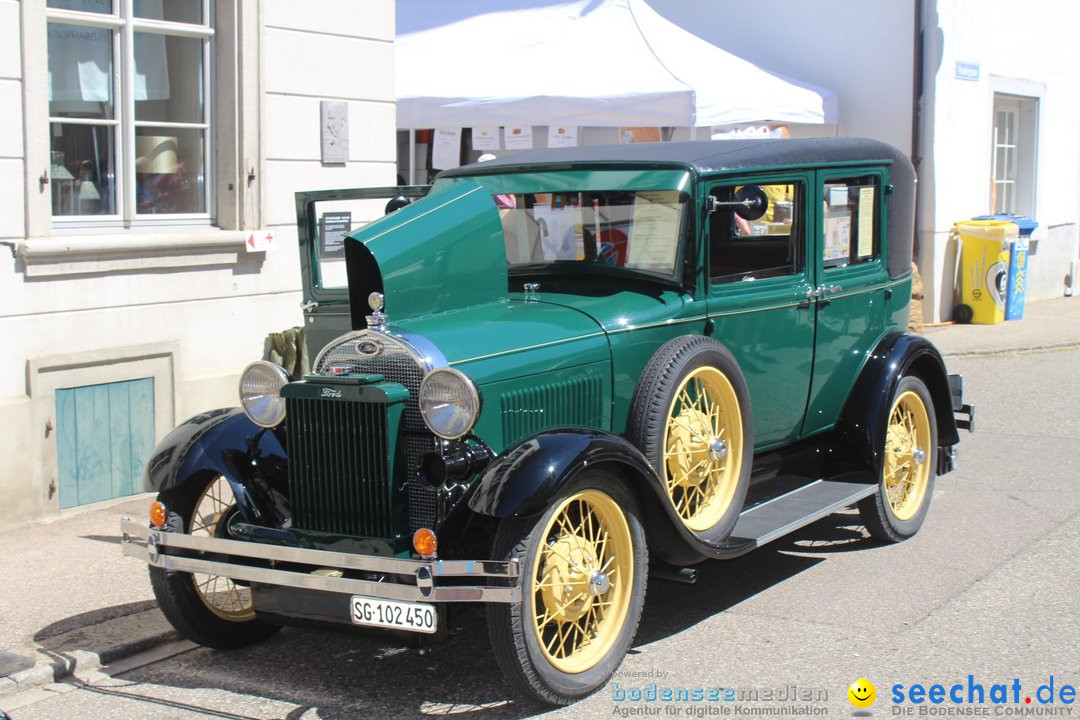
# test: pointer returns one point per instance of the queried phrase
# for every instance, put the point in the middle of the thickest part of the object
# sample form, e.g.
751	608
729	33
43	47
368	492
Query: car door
323	218
758	284
853	285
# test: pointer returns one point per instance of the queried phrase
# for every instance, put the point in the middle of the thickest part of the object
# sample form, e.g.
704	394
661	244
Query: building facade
149	154
999	132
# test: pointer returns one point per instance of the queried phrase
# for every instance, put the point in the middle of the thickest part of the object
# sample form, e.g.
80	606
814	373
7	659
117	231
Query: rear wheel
583	565
897	510
210	610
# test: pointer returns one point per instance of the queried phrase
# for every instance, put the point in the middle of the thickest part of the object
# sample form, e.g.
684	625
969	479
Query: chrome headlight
260	392
449	403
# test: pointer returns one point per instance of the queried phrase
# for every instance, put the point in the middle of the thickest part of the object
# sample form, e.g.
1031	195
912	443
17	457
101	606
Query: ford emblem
368	348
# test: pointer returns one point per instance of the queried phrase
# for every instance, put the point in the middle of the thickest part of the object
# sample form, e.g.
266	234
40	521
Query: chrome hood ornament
377	320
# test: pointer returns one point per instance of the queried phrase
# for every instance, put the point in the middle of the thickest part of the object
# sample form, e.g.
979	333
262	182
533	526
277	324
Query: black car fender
864	417
525	479
224	442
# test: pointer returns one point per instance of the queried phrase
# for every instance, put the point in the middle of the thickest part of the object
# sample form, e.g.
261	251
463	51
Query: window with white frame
1013	154
129	110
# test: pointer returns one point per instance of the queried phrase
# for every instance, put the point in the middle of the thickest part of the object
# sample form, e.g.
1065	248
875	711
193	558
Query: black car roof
703	156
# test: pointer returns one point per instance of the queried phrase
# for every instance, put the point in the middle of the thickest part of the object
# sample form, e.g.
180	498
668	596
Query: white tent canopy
587	63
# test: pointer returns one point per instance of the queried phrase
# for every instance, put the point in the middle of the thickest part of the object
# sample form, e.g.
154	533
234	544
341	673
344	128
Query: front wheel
210	610
897	510
583	565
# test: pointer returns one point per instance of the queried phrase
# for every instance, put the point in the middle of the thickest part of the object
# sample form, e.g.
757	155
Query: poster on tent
446	151
631	135
519	138
562	136
728	132
485	137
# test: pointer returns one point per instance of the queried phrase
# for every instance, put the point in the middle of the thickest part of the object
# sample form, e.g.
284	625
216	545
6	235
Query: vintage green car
552	377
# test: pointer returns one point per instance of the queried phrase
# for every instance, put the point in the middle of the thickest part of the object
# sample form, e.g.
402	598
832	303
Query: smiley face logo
862	693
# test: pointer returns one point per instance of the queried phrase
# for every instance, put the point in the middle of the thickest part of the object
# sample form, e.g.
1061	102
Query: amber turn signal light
425	543
158	514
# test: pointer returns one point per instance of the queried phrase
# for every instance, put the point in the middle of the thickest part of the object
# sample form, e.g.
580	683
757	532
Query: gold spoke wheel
908	465
703	442
581	581
222	596
907	455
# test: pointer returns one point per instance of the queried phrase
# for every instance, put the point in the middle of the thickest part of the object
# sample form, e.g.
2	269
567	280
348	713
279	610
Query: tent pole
412	156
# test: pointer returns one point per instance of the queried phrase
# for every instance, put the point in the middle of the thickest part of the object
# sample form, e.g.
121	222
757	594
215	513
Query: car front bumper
388	578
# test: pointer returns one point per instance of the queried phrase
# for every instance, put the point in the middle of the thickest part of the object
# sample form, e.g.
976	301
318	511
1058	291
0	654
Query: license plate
375	612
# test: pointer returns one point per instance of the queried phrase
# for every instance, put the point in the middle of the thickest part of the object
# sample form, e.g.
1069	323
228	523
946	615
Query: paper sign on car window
866	222
655	232
837	237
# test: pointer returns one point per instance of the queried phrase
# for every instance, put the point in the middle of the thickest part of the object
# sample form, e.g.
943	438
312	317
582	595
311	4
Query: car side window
850	221
769	246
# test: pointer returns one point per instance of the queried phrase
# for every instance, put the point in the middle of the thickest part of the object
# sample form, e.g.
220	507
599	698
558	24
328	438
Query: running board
775	518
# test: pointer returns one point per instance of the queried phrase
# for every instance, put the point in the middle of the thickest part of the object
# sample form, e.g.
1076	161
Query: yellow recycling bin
984	269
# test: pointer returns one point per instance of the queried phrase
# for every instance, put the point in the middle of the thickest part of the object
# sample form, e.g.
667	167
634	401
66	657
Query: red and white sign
259	241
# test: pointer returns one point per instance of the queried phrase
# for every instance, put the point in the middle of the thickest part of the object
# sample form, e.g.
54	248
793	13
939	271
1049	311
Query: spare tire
691	417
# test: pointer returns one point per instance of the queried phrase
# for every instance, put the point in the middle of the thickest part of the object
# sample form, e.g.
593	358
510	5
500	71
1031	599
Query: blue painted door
104	435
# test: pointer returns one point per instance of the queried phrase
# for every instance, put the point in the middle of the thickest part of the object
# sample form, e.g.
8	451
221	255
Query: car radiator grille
423	500
338	471
396	364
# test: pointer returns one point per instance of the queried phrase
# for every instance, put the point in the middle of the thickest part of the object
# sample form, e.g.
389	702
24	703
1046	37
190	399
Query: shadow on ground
360	674
91	619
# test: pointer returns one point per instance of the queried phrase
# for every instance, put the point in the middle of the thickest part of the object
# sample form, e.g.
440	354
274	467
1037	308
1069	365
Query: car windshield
637	230
590	220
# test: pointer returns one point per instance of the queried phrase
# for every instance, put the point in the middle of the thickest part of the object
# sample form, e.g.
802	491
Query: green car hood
512	338
618	310
441	266
443	252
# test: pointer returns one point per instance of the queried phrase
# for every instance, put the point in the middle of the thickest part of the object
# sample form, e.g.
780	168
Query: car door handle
820	295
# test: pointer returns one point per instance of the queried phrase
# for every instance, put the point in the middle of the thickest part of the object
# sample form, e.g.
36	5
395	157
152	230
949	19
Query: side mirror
751	202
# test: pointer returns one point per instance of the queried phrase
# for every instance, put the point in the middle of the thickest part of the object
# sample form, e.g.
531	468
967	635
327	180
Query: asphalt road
989	588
